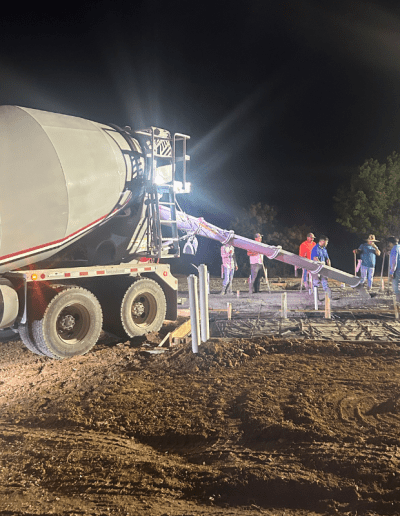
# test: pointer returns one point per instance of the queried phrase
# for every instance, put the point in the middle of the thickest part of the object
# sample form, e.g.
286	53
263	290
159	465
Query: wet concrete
355	314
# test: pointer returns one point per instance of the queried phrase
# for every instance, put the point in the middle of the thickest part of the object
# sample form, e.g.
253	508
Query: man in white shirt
256	267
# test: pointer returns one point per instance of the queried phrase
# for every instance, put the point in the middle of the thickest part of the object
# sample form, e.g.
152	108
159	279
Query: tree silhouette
370	201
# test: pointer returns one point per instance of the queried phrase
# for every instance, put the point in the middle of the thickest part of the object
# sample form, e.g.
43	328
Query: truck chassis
62	311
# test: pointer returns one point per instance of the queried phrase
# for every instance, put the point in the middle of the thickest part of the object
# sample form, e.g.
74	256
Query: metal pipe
194	312
315	298
204	318
195	226
284	305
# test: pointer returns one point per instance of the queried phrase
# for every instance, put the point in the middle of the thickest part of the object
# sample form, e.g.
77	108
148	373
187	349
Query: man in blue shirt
368	253
394	263
320	254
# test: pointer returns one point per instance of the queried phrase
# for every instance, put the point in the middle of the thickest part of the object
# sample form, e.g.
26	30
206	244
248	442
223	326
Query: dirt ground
267	425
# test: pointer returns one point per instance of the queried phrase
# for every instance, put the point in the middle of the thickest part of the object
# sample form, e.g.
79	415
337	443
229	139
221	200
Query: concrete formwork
352	317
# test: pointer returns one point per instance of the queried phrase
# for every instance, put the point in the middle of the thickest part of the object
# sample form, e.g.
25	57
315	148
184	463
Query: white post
204	319
194	312
284	305
315	298
229	310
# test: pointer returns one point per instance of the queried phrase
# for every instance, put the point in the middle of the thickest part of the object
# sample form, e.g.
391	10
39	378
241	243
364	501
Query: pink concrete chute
199	227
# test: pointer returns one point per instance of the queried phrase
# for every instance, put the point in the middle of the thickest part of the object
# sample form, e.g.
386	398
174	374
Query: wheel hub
67	322
138	309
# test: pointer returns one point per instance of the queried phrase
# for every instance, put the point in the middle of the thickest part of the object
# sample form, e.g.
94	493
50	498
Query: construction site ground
296	416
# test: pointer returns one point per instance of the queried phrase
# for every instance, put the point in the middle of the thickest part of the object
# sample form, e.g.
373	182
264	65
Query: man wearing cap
256	267
319	253
305	251
368	253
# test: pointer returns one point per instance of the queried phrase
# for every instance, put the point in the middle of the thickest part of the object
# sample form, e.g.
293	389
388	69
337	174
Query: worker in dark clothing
319	253
368	253
256	267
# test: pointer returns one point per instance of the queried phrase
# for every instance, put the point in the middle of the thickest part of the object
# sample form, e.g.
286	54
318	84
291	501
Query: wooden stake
396	310
327	306
229	310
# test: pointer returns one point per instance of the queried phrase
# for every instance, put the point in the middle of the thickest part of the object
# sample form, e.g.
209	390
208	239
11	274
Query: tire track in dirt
296	425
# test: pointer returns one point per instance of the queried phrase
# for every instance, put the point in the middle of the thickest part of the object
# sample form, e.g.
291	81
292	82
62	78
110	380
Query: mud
263	425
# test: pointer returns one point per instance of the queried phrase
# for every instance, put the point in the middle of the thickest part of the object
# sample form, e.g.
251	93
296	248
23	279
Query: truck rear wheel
25	332
143	308
71	324
38	297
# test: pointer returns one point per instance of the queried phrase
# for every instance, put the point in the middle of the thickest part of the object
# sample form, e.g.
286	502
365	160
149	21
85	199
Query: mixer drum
60	177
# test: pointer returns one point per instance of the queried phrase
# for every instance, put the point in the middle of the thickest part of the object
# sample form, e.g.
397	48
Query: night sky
282	101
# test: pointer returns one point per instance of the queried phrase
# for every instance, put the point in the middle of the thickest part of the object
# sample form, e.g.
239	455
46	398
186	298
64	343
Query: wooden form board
182	331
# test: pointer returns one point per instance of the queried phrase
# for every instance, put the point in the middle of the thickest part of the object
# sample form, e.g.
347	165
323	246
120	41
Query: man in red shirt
305	251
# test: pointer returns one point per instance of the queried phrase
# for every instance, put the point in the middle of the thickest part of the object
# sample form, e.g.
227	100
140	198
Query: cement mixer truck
87	211
80	231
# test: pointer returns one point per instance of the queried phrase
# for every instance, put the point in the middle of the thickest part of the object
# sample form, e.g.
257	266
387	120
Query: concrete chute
199	227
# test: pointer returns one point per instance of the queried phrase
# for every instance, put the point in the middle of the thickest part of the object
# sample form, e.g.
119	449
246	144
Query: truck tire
143	308
37	300
71	324
25	332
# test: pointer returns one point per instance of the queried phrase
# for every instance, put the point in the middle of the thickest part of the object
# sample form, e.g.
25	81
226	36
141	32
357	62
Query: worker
320	254
368	253
229	266
394	265
305	251
256	267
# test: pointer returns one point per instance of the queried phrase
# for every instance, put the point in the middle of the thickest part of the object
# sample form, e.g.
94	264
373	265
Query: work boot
223	291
